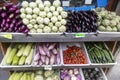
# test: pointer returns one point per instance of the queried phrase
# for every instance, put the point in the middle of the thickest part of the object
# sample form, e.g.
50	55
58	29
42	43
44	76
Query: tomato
74	55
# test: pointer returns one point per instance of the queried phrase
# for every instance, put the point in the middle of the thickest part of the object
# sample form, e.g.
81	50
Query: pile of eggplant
47	54
10	20
82	21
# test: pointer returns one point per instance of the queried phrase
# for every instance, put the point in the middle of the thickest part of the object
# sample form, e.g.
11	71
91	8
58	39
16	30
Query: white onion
46	20
47	29
39	30
64	14
30	26
41	7
32	4
47	9
36	11
62	29
25	21
28	10
28	16
41	26
33	30
57	24
52	8
49	14
50	24
54	29
47	3
39	20
56	3
63	21
22	10
38	2
42	14
54	19
34	16
59	9
35	26
32	21
55	13
22	15
59	17
25	4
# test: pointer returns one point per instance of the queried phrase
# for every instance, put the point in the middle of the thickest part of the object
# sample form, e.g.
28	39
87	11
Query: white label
48	67
66	3
88	1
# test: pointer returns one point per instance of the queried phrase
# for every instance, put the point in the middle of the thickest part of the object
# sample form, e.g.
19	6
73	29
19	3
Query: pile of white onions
44	17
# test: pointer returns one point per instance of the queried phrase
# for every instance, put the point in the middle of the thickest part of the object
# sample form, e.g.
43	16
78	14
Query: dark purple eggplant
3	15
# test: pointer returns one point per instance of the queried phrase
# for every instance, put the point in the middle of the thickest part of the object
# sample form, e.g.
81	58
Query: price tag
66	3
88	1
48	67
78	35
7	36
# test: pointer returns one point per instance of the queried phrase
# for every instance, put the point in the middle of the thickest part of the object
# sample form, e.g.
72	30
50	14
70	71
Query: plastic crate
102	3
82	8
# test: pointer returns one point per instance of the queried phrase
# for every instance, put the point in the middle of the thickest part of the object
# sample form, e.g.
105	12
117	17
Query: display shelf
108	34
62	65
10	68
60	37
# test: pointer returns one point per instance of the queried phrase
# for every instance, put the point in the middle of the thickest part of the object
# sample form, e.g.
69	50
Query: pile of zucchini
98	53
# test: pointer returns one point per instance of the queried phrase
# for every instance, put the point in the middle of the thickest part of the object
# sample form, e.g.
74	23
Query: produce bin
64	47
13	67
103	64
38	74
80	72
54	65
101	71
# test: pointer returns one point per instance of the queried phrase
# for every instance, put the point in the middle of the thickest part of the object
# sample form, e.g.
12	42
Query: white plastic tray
54	65
103	74
103	64
15	66
63	47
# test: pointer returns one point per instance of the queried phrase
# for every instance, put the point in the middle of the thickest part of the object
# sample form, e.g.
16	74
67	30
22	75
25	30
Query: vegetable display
47	75
19	54
10	20
82	21
74	55
92	74
35	75
108	21
22	76
70	74
47	54
98	53
44	17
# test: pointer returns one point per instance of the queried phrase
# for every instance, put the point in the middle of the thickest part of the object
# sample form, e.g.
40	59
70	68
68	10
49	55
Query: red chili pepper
74	55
